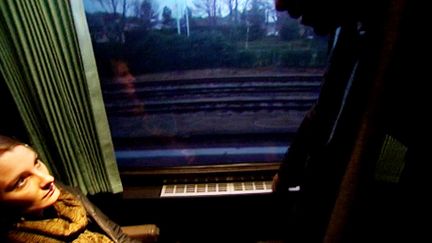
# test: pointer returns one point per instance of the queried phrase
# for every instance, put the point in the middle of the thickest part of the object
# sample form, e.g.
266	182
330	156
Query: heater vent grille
216	189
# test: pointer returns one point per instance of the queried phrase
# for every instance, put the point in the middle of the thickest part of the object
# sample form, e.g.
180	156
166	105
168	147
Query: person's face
25	182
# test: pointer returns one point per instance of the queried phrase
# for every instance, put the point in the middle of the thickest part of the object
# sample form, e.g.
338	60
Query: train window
203	83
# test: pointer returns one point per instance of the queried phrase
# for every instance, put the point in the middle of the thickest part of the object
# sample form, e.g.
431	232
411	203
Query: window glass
197	82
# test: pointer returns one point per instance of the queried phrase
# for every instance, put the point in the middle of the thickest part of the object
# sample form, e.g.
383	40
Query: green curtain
50	70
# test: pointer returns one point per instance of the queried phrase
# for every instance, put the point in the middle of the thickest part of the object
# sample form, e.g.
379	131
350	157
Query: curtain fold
50	70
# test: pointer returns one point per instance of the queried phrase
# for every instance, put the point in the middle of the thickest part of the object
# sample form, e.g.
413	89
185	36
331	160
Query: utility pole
247	35
187	20
177	17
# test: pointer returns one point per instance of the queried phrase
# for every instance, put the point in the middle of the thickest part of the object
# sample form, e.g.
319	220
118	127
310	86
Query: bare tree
208	7
233	8
125	7
118	22
148	13
109	5
115	6
167	18
135	5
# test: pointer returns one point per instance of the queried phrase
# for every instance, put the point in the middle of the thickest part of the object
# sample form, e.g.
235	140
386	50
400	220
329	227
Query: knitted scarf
70	225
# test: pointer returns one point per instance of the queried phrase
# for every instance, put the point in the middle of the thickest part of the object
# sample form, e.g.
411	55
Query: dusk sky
94	6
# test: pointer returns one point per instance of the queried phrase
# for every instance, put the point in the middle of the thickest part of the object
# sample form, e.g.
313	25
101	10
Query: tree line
209	34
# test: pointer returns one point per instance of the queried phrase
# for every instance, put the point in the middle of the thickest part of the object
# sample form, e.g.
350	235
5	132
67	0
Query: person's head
26	185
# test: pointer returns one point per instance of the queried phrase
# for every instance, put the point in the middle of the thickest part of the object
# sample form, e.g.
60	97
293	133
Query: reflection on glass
203	82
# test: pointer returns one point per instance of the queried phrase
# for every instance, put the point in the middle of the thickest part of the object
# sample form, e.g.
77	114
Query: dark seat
143	232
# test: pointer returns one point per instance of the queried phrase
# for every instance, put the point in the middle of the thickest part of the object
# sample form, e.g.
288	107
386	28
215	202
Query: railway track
216	94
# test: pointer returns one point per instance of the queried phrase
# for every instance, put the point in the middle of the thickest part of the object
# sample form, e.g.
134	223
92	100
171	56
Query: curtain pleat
50	70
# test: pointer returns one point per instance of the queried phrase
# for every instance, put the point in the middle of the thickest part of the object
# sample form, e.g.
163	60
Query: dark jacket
111	229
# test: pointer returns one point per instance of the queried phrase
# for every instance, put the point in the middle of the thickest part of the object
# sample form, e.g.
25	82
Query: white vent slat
216	189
